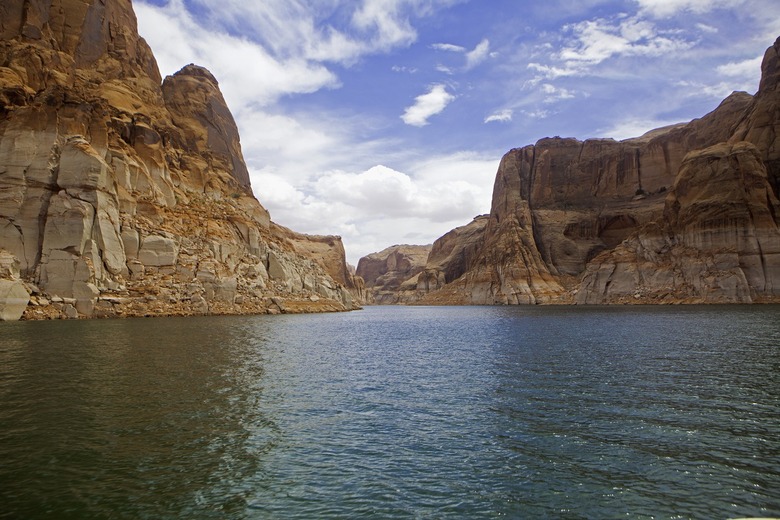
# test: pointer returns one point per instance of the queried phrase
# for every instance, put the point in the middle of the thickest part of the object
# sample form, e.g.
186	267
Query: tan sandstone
123	195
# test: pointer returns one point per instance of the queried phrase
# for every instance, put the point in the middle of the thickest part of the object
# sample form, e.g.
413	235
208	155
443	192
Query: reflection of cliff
686	213
124	195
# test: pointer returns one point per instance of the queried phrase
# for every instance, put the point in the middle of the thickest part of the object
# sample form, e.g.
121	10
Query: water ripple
517	412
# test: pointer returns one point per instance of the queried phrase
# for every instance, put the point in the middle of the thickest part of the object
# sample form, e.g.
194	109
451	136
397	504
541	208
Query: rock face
391	274
123	195
718	241
686	213
13	293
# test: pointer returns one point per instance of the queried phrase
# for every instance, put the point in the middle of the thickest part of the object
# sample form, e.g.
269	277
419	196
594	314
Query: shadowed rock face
119	196
385	272
682	213
718	240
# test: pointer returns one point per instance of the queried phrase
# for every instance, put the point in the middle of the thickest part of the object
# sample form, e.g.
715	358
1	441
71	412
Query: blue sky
383	121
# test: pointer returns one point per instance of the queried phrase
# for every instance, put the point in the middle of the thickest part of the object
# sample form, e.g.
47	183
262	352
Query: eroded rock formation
686	213
390	275
123	195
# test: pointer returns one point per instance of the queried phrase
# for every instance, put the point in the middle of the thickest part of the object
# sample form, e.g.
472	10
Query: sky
384	121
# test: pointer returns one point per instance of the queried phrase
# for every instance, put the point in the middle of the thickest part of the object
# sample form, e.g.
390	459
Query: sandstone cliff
686	213
124	195
390	276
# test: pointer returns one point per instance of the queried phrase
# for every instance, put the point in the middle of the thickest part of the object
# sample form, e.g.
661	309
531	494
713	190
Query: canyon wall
390	276
125	195
686	213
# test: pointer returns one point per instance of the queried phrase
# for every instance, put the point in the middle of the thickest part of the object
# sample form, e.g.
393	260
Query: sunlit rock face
686	213
121	194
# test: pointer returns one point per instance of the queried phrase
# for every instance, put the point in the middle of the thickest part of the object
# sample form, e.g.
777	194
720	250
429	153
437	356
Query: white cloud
553	93
628	128
474	57
750	68
385	19
478	55
536	114
448	47
382	206
178	40
716	91
598	40
502	116
427	105
551	72
703	27
667	8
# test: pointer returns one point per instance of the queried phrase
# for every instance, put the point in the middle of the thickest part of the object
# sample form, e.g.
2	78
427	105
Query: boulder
158	251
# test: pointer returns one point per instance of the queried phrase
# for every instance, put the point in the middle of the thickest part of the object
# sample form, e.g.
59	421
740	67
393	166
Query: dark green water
394	412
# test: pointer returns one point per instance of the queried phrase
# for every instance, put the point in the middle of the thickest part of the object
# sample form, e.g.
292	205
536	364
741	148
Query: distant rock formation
123	195
390	276
686	213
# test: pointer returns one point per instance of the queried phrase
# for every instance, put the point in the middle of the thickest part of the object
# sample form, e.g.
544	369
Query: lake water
395	412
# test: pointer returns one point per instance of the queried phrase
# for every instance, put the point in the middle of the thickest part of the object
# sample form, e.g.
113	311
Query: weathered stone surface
384	272
206	125
157	251
761	126
112	182
718	241
14	296
451	255
685	213
9	266
13	300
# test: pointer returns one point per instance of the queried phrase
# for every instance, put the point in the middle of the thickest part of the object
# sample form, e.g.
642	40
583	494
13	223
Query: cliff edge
683	214
125	195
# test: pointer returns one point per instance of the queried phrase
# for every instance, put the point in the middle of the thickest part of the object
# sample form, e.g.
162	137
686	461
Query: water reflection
395	413
158	414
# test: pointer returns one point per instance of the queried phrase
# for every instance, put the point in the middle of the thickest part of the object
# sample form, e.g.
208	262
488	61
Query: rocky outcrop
391	275
451	255
686	213
207	130
121	195
718	241
761	125
14	296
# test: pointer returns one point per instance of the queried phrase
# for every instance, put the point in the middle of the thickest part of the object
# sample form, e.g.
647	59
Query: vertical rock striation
390	276
124	195
686	213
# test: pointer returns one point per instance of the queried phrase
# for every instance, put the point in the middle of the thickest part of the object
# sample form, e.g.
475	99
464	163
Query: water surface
395	412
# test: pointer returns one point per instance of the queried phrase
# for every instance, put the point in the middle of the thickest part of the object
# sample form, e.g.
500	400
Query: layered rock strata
686	213
122	195
390	276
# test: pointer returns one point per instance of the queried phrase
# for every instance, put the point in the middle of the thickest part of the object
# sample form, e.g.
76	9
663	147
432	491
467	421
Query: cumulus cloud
380	206
502	116
427	105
